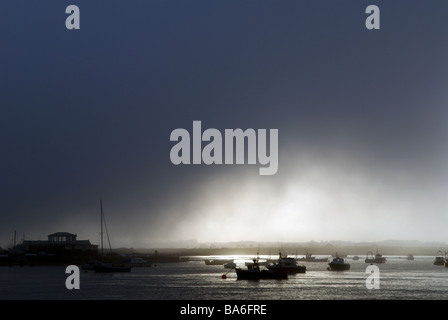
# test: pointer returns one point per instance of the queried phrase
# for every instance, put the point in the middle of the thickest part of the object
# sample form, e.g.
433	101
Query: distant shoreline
291	250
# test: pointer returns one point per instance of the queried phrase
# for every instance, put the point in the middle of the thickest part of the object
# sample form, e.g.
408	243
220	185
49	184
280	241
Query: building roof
62	234
44	242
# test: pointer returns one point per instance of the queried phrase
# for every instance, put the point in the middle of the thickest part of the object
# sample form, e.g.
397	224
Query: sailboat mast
102	249
107	234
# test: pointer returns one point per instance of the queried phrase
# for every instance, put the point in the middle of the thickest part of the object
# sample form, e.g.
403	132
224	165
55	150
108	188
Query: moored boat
440	259
338	264
309	258
112	263
378	258
286	263
253	272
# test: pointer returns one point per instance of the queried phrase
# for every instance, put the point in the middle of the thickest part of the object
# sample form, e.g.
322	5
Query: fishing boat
378	258
356	258
286	263
309	258
440	259
410	257
338	264
253	272
111	263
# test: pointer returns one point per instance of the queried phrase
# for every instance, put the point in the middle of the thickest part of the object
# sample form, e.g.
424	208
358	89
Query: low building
60	248
57	243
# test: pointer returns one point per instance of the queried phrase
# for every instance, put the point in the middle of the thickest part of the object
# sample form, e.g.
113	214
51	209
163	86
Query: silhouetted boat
338	264
253	272
410	257
378	258
440	260
109	266
288	264
309	258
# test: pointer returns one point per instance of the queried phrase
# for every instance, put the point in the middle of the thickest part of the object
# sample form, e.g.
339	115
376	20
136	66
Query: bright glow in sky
361	115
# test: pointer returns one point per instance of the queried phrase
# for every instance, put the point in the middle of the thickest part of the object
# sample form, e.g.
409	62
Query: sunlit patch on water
399	279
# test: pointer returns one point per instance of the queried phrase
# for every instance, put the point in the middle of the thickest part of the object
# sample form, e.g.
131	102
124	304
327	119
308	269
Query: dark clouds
87	114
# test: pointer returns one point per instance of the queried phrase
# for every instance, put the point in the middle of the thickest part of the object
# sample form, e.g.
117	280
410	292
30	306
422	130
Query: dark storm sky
87	115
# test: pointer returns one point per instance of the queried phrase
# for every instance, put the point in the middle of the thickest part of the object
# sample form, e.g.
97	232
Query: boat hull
339	266
262	274
287	264
291	269
382	260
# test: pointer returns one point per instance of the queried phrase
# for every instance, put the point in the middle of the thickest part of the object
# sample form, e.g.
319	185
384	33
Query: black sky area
87	115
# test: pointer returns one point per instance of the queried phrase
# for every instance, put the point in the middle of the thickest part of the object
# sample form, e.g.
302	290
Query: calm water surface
399	279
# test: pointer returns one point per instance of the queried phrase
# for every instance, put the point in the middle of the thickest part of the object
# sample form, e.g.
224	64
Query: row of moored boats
284	265
279	269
